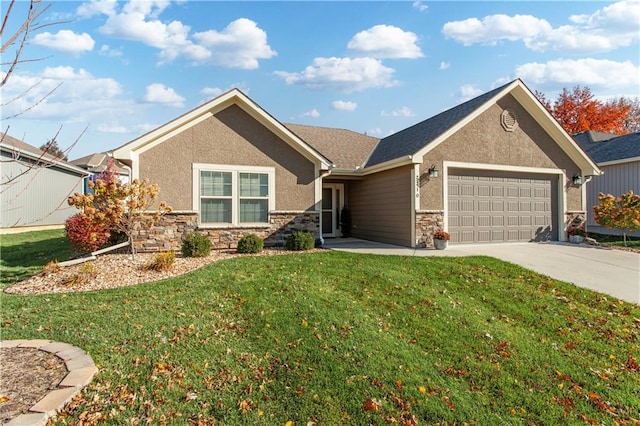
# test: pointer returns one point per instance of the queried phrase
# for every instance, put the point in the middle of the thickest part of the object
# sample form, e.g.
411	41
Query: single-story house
96	164
497	168
34	186
619	159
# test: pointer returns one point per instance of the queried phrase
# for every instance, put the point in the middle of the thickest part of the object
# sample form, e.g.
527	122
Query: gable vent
508	120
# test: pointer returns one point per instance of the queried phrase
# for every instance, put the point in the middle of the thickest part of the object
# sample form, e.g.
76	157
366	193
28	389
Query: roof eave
570	147
233	96
51	161
391	164
619	161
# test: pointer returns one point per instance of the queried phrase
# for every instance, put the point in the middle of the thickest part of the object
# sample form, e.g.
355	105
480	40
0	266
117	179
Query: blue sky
375	67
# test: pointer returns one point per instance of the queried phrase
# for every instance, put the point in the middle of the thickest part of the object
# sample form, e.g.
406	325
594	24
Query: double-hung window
233	195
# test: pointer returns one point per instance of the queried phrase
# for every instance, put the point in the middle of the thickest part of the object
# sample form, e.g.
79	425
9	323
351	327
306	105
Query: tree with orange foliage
120	207
578	111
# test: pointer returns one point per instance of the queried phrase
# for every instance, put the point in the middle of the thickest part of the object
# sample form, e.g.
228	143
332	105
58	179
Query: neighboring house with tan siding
35	186
619	159
504	170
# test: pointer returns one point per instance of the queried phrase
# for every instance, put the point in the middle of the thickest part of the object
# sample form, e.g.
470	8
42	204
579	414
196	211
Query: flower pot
576	239
440	244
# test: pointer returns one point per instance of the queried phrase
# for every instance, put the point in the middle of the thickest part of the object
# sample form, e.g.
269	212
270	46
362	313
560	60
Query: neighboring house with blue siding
35	186
619	159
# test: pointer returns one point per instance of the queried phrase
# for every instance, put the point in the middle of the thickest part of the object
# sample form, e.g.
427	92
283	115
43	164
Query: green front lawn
23	255
340	338
633	240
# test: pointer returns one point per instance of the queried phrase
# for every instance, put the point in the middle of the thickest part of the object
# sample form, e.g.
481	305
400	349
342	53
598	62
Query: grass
633	240
340	338
23	255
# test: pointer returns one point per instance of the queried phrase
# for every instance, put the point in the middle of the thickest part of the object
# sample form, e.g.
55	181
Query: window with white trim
233	195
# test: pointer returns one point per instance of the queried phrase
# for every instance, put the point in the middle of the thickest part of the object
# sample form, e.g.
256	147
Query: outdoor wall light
577	179
433	172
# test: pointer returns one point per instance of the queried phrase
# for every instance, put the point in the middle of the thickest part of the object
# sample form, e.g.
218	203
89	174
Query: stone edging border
81	370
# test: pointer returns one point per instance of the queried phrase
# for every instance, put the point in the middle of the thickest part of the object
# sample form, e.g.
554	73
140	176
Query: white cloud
211	92
113	128
468	91
596	73
494	28
239	45
385	41
344	105
100	7
606	29
65	41
444	65
157	93
420	6
313	114
374	131
402	112
342	74
105	50
65	95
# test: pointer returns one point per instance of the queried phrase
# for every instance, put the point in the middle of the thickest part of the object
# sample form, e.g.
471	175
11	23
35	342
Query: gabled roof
411	144
608	148
195	116
97	163
15	146
347	149
412	139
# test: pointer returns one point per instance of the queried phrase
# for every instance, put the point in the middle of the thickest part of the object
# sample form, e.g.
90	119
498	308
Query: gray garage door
489	207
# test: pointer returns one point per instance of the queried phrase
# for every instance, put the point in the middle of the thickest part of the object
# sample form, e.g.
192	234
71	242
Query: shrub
86	272
163	261
195	244
51	268
441	235
84	235
300	240
250	244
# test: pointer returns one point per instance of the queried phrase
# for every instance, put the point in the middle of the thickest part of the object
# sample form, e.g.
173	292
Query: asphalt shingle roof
345	148
605	147
411	140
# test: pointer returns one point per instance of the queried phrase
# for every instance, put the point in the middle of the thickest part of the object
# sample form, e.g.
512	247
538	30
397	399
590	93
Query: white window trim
235	203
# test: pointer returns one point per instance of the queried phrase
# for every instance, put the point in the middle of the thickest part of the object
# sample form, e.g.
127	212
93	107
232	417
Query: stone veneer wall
167	234
427	223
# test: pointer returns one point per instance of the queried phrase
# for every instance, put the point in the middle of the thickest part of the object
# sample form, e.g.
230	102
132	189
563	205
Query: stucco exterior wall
485	141
231	137
381	206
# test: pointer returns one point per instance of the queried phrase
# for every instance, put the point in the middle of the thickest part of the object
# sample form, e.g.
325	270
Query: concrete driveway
612	272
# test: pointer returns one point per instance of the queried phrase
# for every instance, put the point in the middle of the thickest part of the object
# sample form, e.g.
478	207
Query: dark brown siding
381	207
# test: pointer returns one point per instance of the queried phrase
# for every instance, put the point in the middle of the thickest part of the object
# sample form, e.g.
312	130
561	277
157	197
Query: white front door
332	203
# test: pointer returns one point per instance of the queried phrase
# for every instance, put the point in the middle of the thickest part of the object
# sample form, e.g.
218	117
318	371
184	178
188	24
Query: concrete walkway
612	272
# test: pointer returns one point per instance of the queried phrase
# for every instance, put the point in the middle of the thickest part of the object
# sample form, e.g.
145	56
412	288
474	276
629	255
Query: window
233	195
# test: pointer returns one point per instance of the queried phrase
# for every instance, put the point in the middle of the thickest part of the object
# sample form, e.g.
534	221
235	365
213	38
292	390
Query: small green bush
163	261
300	240
250	244
195	244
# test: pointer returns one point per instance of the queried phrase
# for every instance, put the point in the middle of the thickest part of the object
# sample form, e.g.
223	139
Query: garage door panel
487	208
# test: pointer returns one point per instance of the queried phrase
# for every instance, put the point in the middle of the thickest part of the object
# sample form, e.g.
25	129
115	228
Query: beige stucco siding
381	207
231	137
485	141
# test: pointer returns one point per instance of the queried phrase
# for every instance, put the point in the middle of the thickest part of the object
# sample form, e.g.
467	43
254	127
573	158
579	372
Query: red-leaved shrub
84	235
